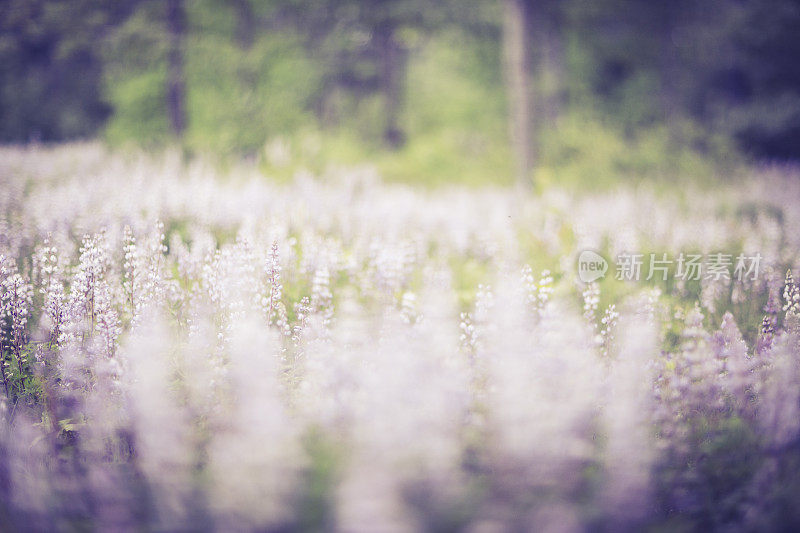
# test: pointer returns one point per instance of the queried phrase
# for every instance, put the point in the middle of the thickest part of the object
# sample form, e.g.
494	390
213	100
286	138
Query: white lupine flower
408	307
46	263
469	339
484	303
16	297
302	310
15	304
55	308
791	295
531	288
82	309
608	328
108	326
321	296
545	289
591	300
271	302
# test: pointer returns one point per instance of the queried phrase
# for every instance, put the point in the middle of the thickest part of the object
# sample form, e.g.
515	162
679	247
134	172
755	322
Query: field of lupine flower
185	348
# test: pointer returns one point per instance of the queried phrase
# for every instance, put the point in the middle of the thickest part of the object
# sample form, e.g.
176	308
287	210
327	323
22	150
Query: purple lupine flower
274	308
131	273
769	323
107	327
766	335
81	316
55	308
736	368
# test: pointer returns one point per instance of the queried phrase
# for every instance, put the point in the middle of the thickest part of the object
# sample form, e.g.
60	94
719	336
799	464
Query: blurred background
431	91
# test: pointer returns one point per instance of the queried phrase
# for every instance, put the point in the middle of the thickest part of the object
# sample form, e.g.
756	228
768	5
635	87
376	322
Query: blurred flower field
186	349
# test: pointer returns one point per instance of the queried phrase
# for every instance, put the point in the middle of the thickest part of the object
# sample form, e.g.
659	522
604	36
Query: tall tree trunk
393	72
176	28
669	66
518	72
667	96
245	24
553	67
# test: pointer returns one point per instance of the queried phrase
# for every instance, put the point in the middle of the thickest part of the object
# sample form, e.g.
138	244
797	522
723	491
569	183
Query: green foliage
585	151
237	97
140	115
710	482
267	88
315	507
135	80
455	116
467	275
20	382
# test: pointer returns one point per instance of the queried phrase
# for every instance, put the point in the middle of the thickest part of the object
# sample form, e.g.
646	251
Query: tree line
236	73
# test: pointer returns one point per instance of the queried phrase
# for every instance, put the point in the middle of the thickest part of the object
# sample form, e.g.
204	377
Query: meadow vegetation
191	347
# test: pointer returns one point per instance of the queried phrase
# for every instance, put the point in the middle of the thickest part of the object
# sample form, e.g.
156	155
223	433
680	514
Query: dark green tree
51	69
